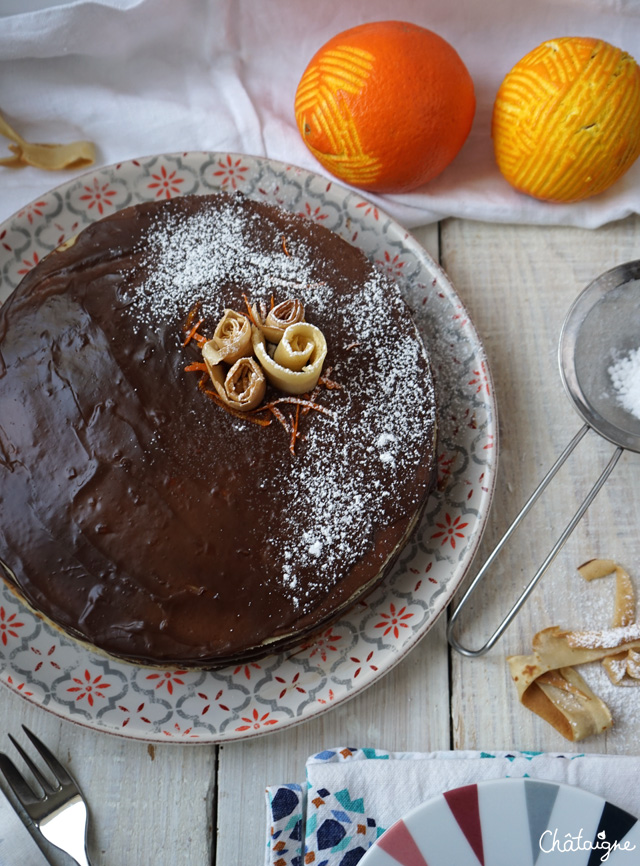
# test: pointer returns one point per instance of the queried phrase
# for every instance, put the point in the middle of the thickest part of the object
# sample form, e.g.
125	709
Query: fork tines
59	773
59	811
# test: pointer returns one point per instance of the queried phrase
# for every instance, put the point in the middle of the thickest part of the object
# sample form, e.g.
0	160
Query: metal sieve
602	325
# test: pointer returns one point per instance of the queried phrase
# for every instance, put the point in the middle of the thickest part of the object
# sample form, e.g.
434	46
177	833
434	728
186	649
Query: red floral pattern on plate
8	626
46	658
231	172
315	214
89	687
246	670
450	530
137	713
165	183
98	195
28	264
394	620
481	380
256	721
20	686
366	662
33	210
168	680
392	265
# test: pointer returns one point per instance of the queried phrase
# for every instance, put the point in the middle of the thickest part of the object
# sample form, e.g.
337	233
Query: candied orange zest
328	383
192	333
279	415
294	430
193	312
192	368
250	311
284	246
299	401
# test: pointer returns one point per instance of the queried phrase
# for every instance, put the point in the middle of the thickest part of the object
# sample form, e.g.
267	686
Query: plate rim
348	197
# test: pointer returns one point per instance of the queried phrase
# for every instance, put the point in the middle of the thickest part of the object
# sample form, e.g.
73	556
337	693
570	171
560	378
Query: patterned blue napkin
351	796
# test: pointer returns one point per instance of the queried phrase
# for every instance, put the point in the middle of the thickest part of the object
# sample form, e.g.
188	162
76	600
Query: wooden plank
148	803
518	284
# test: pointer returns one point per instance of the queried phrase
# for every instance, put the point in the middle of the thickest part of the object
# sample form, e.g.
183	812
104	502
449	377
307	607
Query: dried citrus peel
548	685
51	157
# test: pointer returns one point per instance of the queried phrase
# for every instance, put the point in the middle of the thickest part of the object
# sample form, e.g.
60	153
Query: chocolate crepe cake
146	517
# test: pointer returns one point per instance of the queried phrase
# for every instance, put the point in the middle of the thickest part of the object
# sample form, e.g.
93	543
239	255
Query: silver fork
60	812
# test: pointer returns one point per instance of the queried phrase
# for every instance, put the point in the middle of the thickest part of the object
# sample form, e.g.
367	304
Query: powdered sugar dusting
341	510
349	475
193	256
606	638
625	376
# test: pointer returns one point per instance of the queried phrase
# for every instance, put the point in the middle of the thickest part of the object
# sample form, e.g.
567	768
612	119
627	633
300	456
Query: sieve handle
472	653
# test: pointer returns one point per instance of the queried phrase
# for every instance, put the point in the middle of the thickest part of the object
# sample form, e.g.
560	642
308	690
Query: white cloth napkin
139	77
352	795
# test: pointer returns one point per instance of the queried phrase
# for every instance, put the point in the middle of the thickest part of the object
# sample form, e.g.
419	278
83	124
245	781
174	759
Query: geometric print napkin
352	795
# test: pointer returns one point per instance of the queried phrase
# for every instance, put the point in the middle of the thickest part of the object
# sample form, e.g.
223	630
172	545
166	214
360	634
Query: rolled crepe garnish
616	667
543	694
243	387
51	157
573	708
297	362
593	569
623	667
280	317
625	603
274	323
624	613
633	664
613	638
231	340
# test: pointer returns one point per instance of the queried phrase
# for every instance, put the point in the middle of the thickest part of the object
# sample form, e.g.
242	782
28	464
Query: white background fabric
140	77
394	787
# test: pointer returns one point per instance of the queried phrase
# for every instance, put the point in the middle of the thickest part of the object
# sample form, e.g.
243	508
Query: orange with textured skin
385	106
566	120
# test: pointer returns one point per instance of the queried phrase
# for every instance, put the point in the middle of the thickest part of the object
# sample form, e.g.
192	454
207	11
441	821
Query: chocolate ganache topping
143	518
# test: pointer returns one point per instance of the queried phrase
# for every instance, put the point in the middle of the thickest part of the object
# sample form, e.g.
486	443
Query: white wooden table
171	805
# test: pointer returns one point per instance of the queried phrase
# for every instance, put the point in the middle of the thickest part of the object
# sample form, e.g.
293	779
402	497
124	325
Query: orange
385	106
566	119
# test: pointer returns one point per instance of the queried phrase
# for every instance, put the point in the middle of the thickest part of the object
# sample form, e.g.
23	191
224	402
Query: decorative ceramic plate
507	822
56	673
